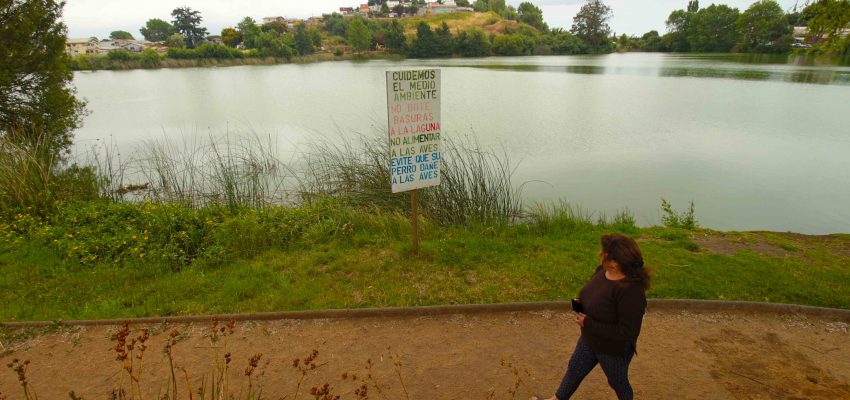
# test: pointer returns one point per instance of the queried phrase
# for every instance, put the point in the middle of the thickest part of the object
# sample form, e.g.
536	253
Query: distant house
346	10
364	9
437	8
268	20
77	47
133	46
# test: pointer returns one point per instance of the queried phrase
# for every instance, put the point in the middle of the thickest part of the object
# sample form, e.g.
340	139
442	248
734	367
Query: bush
150	59
512	45
672	219
119	55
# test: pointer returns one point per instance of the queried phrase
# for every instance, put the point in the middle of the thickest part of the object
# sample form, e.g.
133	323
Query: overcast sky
99	17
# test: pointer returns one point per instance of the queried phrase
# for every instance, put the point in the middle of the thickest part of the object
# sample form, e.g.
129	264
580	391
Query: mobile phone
577	306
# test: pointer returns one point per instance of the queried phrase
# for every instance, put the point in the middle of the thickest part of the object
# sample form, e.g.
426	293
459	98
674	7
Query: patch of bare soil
681	355
729	245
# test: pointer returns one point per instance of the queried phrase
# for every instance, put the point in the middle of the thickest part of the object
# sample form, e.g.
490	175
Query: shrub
673	219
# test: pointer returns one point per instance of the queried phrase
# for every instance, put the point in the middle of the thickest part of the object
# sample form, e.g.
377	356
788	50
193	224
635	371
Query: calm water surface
756	144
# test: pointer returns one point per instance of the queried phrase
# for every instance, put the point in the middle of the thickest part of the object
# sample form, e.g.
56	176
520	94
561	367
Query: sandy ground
681	355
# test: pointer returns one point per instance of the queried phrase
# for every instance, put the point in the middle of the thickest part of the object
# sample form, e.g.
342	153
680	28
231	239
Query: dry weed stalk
219	382
20	368
519	381
168	350
130	354
303	368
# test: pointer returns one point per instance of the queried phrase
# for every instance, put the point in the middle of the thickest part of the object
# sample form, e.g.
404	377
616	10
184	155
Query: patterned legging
584	359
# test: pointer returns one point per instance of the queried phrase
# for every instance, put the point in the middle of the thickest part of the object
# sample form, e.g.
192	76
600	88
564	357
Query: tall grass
26	169
245	171
475	183
227	171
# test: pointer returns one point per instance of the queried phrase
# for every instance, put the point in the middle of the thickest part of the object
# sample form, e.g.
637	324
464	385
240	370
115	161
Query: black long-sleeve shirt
614	312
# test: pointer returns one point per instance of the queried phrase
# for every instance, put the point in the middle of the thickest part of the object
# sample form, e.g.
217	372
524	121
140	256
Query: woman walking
614	303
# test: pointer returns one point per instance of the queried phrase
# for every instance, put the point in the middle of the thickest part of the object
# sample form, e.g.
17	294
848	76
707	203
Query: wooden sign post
413	114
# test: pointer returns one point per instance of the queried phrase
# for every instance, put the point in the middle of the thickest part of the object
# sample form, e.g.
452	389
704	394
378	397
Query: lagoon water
757	144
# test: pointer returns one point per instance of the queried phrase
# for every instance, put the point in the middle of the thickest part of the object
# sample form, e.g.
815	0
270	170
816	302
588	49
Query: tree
532	15
591	25
122	35
157	30
764	28
461	3
473	43
510	13
826	19
414	8
37	101
481	5
443	42
187	22
175	41
303	44
497	6
231	37
563	42
385	10
250	32
425	44
335	24
315	37
678	25
651	41
273	44
395	40
277	26
359	36
693	6
713	29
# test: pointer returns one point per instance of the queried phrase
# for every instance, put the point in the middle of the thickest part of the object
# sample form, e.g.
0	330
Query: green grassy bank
115	260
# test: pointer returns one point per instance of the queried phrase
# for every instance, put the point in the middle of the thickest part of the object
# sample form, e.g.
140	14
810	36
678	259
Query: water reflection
749	67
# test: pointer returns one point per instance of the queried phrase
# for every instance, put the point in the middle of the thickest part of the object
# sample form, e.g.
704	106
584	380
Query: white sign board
413	107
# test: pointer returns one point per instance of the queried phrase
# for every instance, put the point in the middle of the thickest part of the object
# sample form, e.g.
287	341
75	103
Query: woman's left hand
580	319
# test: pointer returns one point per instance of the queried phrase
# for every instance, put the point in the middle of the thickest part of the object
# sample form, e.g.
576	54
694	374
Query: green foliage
394	40
591	25
175	41
231	37
764	28
563	42
673	219
187	22
115	35
826	18
250	32
651	41
38	106
430	43
119	55
512	45
359	36
532	15
473	43
303	43
277	26
335	24
157	30
273	44
713	29
150	59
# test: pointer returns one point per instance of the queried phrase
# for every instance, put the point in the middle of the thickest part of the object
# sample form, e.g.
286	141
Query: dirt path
682	355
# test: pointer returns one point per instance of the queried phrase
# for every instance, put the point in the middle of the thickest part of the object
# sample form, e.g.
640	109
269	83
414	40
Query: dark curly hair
625	251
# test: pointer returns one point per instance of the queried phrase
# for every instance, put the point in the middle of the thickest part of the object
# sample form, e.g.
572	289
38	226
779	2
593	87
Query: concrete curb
403	312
